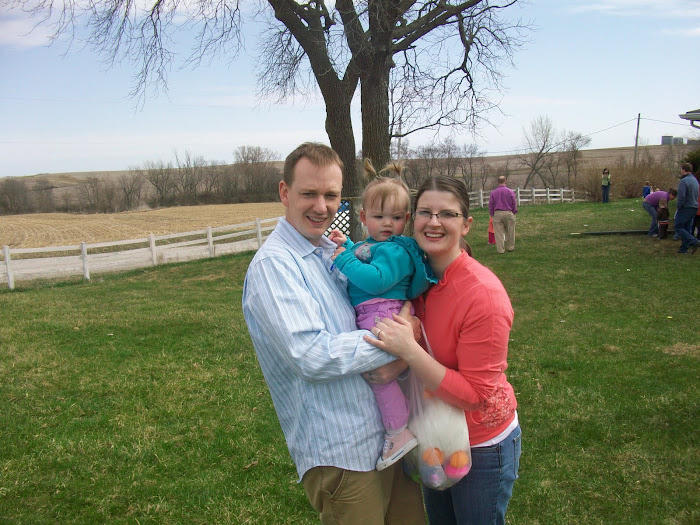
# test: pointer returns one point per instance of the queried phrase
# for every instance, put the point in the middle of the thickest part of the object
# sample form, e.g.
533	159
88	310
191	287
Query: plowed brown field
63	229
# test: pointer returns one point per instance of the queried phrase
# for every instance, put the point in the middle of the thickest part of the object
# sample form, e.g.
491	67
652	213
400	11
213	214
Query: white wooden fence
526	196
87	258
98	257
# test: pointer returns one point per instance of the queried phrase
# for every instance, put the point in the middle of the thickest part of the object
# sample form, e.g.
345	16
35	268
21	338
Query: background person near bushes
605	185
651	205
502	208
687	209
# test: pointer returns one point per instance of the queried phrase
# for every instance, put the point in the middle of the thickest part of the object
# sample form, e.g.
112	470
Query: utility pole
636	141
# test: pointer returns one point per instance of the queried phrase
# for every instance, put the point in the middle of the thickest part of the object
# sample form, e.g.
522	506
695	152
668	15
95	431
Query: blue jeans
482	496
606	193
683	224
651	210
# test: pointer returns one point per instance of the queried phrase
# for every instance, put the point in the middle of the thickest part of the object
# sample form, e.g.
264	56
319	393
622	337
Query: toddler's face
385	222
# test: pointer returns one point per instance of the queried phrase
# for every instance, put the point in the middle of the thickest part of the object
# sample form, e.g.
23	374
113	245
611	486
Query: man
303	328
651	206
503	207
686	209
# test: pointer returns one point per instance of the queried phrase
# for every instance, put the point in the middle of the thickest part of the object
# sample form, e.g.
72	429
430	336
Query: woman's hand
394	336
415	322
387	373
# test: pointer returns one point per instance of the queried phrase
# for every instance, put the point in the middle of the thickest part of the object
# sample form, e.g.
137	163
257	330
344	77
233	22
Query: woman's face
440	237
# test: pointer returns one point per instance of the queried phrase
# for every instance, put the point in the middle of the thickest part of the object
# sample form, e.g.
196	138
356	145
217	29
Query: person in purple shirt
503	207
651	206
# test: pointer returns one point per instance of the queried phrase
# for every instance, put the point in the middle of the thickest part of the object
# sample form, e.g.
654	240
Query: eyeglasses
446	215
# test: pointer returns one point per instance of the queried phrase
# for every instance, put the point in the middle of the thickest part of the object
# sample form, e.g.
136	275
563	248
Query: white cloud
683	9
23	32
684	32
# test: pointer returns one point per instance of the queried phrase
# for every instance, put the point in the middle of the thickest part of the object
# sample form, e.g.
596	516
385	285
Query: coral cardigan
467	317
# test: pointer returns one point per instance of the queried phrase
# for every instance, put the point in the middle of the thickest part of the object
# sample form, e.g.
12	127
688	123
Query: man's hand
415	322
387	373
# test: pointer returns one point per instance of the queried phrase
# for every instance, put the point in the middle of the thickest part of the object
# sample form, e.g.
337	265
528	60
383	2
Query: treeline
551	159
187	181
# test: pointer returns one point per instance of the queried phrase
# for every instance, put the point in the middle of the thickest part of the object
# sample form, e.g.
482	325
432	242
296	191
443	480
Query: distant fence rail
87	258
526	196
102	257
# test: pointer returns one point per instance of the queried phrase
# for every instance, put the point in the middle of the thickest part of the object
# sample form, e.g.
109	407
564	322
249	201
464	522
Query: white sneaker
395	448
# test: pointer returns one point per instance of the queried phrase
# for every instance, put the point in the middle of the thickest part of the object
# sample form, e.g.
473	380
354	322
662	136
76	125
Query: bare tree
485	171
572	145
440	60
89	194
43	195
451	158
211	180
540	142
256	169
160	175
108	196
230	184
473	158
14	196
131	188
187	177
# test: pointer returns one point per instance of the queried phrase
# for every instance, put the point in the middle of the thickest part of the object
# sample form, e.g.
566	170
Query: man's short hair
501	179
687	167
673	192
318	154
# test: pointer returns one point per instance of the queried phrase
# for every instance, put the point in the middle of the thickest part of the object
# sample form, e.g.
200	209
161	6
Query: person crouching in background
662	218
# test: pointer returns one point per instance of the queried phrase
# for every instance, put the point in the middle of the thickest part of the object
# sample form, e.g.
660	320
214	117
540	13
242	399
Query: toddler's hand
337	237
337	252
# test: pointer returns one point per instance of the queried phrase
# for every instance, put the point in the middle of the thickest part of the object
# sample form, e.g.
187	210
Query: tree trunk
342	139
374	90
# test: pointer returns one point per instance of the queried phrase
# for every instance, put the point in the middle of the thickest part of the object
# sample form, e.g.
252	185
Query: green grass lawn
136	398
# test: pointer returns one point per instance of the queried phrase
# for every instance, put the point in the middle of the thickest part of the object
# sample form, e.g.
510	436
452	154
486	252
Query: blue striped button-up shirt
302	324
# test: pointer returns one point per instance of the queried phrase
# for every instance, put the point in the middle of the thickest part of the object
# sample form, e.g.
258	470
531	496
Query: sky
590	66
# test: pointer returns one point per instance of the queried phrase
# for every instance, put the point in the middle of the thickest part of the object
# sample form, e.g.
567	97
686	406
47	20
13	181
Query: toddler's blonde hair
381	188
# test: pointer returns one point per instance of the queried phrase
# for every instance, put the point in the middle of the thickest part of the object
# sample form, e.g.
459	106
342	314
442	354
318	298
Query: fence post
258	232
210	242
517	195
549	199
481	198
86	269
10	277
573	195
532	199
154	255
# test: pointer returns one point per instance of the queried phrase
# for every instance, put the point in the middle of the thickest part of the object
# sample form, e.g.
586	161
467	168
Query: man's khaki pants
504	230
346	497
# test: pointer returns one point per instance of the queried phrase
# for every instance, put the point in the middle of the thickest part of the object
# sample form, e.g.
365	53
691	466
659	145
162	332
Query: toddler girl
383	272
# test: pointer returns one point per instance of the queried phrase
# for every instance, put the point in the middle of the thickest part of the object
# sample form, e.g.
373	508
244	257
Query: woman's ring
379	333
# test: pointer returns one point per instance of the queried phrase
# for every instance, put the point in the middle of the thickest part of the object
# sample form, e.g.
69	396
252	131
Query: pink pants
391	402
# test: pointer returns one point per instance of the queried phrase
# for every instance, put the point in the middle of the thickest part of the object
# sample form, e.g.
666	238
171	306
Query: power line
665	122
521	150
611	127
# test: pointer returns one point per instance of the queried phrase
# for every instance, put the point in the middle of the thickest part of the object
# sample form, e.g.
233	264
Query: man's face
313	198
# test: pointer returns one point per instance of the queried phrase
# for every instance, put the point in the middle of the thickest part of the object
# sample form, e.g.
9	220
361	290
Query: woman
605	185
467	318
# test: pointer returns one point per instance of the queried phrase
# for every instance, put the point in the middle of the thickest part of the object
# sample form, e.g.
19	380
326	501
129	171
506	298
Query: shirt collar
301	244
